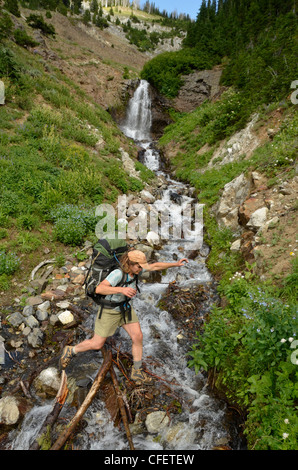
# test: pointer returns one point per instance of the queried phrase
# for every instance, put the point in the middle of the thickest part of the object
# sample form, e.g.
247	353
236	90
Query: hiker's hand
129	292
182	262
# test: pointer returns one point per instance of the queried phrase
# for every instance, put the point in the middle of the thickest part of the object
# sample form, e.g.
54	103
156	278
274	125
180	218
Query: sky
190	7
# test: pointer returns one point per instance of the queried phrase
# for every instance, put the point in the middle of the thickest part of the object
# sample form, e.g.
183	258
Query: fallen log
48	261
53	415
87	402
121	407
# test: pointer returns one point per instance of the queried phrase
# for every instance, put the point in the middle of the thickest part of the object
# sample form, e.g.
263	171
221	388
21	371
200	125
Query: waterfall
138	118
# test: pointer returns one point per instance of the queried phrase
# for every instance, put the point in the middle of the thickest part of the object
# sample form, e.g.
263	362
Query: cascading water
138	118
203	422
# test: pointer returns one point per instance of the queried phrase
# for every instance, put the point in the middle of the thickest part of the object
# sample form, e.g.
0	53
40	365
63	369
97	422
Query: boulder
234	194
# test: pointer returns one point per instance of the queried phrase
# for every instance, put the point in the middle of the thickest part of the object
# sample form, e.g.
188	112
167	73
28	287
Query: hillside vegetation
249	344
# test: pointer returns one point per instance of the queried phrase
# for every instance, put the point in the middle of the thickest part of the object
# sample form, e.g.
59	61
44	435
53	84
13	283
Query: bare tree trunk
87	402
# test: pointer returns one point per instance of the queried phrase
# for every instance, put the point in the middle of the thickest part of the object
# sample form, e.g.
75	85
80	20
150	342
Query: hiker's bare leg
96	342
137	374
135	332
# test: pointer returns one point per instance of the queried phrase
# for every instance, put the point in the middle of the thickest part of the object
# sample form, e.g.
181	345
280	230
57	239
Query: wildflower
291	339
292	253
283	340
286	421
285	435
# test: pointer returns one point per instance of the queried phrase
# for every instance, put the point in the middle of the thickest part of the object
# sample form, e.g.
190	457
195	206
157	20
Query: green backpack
105	258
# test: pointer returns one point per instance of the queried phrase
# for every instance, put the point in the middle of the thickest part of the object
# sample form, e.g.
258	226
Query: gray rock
35	338
41	315
16	319
31	321
28	310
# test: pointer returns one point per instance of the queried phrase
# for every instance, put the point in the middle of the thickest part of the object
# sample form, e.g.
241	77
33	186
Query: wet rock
12	409
156	421
48	382
178	435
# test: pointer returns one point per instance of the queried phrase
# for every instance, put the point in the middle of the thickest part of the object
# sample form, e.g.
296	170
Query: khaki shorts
110	320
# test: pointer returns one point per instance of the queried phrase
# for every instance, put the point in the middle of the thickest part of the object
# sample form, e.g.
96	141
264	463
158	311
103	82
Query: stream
205	420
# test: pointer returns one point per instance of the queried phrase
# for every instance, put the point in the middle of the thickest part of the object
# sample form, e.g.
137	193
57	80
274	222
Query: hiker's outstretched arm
160	266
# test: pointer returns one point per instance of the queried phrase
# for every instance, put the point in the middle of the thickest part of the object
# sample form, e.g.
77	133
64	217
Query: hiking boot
66	356
140	377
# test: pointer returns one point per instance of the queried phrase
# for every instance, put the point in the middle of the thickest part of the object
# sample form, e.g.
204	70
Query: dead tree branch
122	408
86	403
53	415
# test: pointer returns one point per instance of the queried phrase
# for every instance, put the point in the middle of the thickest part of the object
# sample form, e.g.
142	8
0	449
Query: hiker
108	320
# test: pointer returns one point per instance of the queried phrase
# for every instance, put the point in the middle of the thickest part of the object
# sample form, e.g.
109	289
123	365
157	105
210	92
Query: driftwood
86	403
48	261
53	415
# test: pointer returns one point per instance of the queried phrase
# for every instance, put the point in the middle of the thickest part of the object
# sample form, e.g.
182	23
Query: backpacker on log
105	258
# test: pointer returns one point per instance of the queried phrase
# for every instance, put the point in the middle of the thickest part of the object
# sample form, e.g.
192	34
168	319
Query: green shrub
9	263
70	231
22	38
72	223
37	21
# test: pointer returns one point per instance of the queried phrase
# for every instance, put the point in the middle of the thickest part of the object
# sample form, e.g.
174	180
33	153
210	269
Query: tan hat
137	256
